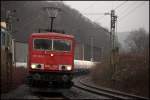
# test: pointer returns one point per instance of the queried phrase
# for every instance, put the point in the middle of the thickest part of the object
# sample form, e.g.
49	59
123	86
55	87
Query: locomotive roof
52	34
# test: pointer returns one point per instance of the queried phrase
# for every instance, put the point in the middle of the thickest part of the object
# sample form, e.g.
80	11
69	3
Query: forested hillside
68	19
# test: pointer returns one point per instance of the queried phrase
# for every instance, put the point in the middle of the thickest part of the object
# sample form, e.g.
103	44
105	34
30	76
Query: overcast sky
131	14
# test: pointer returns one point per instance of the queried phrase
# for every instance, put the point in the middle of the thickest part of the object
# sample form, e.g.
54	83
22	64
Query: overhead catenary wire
104	13
93	13
125	10
114	9
89	6
120	5
131	11
100	18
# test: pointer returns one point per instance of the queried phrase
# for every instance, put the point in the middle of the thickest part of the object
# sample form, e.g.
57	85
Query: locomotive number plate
51	67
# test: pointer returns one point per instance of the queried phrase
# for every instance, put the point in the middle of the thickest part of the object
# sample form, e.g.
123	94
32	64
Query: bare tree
138	41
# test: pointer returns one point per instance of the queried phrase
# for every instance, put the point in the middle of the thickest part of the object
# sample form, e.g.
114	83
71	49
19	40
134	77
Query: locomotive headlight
65	67
37	66
33	66
69	67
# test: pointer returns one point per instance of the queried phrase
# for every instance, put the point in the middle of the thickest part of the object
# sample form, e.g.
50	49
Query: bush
131	75
101	73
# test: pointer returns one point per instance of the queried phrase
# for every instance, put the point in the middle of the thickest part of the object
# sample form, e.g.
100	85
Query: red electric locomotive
51	60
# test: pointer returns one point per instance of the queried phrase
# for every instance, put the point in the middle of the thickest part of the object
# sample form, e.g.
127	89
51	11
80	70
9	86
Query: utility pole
114	48
10	17
92	57
9	20
83	51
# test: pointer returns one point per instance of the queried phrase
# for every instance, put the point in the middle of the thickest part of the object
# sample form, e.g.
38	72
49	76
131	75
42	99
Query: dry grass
132	75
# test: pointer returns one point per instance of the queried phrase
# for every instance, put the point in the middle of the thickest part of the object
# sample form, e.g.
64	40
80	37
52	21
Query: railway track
80	90
112	94
47	94
50	95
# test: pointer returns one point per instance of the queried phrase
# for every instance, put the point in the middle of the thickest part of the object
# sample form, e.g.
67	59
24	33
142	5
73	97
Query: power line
120	5
134	8
127	8
100	18
93	13
89	6
114	9
131	11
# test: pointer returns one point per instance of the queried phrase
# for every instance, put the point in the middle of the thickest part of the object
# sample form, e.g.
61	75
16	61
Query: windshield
43	44
61	45
53	45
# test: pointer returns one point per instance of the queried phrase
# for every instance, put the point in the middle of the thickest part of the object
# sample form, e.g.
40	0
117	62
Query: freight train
50	60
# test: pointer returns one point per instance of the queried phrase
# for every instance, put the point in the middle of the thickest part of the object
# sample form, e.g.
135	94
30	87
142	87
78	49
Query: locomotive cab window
43	44
52	45
61	45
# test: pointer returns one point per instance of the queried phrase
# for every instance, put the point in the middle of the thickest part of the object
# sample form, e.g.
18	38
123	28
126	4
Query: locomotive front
51	60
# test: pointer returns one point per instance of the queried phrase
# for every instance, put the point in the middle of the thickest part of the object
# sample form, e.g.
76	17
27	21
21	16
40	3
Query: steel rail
98	92
106	92
115	92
